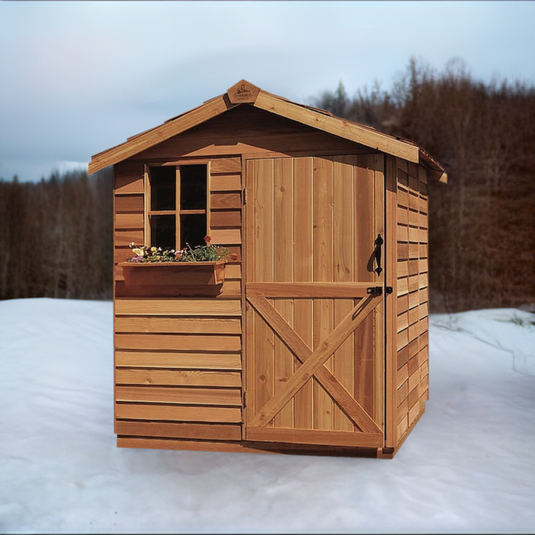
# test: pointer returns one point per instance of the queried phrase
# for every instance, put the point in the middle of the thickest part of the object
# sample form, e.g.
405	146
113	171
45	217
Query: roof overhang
244	93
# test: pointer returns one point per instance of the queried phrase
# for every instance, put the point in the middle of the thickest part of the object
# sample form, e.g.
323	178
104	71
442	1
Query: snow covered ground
468	466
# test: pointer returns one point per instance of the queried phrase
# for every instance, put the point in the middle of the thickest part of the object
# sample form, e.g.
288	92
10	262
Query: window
177	206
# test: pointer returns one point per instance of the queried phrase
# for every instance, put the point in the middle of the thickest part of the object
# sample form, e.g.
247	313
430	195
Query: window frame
177	212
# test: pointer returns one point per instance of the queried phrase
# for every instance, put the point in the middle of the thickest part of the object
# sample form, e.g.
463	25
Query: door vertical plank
364	220
303	198
365	226
264	244
344	240
283	272
364	364
323	271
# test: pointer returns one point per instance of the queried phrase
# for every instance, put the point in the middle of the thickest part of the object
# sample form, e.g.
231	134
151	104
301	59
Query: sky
80	77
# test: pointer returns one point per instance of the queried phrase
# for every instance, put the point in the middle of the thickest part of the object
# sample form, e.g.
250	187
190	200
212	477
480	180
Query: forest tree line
482	223
56	235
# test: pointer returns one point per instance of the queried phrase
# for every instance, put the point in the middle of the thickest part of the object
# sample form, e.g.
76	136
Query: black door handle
377	253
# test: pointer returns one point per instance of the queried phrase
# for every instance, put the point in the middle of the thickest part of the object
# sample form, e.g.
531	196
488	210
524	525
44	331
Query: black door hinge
375	290
378	290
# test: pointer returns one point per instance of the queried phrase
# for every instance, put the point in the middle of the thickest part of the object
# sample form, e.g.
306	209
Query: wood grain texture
168	359
184	342
221	183
185	325
129	203
226	166
180	395
305	289
227	290
226	219
283	365
263	270
123	238
301	436
129	221
190	413
303	209
226	236
179	430
178	377
225	201
179	307
323	271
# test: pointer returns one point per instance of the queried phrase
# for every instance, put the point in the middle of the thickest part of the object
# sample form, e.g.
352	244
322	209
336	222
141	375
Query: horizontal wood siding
180	395
412	296
178	360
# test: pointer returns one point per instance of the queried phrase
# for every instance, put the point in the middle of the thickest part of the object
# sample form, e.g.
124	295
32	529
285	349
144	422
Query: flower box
210	273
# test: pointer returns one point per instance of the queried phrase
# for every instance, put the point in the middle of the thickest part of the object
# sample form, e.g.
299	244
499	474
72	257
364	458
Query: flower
234	256
208	239
200	253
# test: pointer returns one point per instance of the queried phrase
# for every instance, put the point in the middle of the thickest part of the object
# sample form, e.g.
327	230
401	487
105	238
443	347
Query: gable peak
243	93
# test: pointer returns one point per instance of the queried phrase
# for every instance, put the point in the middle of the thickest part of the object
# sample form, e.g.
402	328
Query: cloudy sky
80	77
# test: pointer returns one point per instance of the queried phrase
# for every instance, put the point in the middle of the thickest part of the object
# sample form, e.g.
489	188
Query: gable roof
245	93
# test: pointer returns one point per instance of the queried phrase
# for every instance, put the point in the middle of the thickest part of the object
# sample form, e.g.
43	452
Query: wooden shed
316	341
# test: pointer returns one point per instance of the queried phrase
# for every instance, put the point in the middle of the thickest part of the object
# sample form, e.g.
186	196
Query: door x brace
312	363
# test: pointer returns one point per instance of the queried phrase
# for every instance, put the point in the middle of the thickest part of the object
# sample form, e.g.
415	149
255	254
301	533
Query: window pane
163	188
163	231
192	229
193	187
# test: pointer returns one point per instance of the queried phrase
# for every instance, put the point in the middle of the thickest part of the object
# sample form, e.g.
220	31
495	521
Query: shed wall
412	352
178	356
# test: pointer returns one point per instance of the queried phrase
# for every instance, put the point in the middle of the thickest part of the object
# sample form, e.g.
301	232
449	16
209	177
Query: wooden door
314	335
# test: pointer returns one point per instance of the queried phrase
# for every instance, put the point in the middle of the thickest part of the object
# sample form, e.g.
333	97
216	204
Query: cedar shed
313	338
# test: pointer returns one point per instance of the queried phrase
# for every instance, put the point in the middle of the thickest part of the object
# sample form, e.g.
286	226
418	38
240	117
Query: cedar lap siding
291	353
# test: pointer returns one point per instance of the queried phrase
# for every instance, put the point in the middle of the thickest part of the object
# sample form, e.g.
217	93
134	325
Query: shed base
252	447
160	443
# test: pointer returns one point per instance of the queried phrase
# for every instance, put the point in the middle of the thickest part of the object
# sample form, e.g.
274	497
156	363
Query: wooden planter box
174	273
